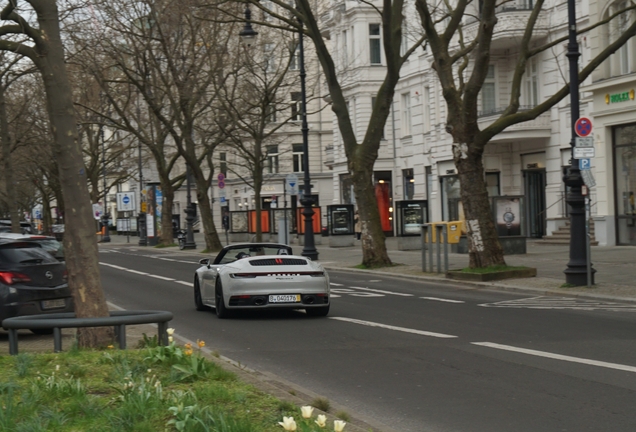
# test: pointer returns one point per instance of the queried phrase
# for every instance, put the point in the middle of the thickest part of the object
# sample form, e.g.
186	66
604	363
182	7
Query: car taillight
10	278
243	275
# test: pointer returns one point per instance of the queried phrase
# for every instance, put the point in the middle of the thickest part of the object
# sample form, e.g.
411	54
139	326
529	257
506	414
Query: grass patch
491	269
153	388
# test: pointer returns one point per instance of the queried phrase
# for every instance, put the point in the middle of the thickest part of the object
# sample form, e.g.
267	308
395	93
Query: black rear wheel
318	311
219	305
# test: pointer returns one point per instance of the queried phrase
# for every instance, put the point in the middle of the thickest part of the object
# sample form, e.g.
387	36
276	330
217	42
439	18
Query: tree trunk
79	237
12	201
212	241
167	193
374	253
484	249
258	185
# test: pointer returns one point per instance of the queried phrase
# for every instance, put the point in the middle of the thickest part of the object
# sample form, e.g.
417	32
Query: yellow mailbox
454	230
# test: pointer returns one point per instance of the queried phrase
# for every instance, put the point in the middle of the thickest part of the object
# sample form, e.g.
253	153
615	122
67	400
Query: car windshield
237	253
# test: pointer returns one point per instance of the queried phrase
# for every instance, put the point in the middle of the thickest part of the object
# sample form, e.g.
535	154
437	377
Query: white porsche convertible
261	275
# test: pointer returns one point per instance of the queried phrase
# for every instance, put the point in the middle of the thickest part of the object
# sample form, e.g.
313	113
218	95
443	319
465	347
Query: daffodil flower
288	424
170	339
170	331
306	411
338	425
321	420
200	343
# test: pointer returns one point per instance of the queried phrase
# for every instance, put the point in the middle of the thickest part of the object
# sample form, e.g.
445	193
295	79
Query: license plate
295	298
53	304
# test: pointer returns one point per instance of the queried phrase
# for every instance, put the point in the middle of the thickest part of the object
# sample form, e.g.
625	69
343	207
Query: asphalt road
415	356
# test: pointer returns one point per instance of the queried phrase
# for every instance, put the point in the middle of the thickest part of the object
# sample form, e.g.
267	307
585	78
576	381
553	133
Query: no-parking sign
583	127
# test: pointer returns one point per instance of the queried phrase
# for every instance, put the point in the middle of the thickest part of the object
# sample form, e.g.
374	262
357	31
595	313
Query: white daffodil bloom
170	331
338	425
321	420
288	424
307	411
170	339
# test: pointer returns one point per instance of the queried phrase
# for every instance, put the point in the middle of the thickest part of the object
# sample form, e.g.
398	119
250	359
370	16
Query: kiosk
411	215
340	225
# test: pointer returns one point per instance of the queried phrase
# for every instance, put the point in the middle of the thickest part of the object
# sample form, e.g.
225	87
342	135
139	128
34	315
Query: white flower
288	424
321	420
170	331
338	425
307	411
170	339
57	367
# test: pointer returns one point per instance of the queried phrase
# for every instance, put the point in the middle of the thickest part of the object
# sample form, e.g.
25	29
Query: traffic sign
583	127
291	184
126	201
584	141
97	211
585	164
588	178
584	152
220	177
221	184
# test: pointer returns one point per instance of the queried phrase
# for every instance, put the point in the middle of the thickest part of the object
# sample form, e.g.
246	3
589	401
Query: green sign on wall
619	97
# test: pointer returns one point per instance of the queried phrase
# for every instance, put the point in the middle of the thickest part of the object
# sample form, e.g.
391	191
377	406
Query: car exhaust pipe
259	301
310	300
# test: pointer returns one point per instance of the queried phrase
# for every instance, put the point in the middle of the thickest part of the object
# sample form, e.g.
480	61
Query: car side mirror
205	262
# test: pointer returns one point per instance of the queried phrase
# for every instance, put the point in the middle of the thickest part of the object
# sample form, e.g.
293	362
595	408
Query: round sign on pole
583	127
221	184
220	177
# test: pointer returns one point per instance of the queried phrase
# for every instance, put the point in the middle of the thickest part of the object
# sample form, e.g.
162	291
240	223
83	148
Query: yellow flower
321	420
307	411
338	425
288	424
188	352
170	331
188	346
200	343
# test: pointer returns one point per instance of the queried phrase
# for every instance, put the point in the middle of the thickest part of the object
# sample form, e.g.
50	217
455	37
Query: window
531	88
272	159
492	184
270	113
409	183
404	43
297	156
294	63
268	55
223	163
488	93
296	106
406	114
374	43
345	48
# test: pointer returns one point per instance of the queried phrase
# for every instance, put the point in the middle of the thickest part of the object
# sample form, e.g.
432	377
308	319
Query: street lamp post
105	215
189	211
309	249
248	34
576	272
143	239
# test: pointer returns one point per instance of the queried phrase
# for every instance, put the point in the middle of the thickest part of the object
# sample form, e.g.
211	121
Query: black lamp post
576	271
248	34
143	239
189	211
105	215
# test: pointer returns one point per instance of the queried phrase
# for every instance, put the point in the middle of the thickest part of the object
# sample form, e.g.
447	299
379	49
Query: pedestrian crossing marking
543	302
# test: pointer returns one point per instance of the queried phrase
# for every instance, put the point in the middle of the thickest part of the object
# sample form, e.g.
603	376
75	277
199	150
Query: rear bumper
262	301
10	310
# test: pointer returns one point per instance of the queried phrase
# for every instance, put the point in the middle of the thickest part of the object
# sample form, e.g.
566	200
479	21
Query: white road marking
355	293
335	284
375	280
335	296
189	284
390	327
557	356
543	302
382	292
442	300
114	266
135	271
161	277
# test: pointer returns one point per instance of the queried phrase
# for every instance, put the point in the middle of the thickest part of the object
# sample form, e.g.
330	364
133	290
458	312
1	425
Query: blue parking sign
585	164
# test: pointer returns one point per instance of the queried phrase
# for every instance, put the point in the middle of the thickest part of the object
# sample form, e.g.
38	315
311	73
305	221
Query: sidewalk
615	266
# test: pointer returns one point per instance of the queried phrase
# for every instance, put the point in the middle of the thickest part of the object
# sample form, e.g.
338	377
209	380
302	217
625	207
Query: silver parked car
261	275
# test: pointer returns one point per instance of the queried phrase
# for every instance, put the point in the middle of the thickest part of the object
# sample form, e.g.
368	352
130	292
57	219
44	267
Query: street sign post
585	164
583	127
97	211
588	178
584	142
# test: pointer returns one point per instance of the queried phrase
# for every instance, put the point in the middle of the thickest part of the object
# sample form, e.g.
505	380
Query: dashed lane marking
382	292
390	327
442	300
557	356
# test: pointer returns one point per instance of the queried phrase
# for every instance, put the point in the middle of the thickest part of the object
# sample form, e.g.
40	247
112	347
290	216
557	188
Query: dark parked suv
49	244
32	281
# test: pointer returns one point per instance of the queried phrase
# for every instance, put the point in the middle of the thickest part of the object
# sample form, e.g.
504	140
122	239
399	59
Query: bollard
424	233
441	236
